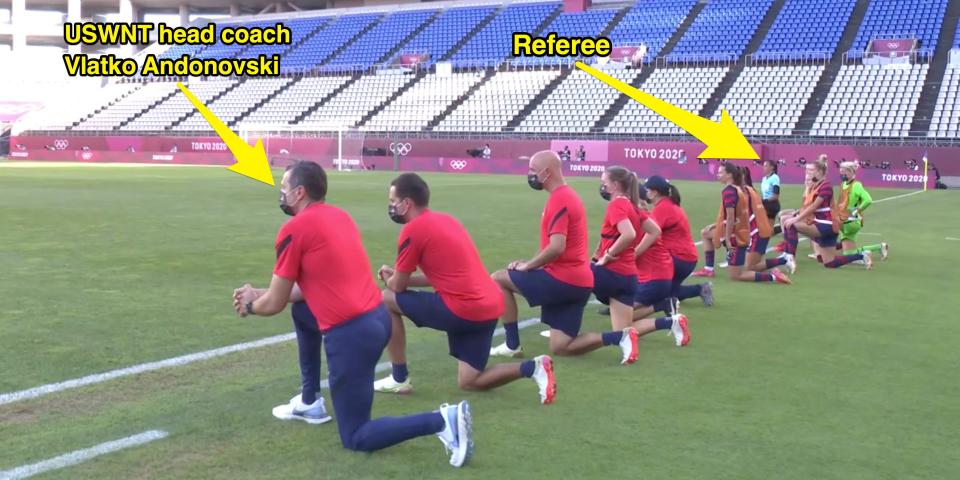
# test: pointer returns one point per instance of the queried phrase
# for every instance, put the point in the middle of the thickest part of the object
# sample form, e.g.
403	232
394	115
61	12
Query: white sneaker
543	375
791	263
457	433
295	409
681	334
884	250
629	347
503	350
389	385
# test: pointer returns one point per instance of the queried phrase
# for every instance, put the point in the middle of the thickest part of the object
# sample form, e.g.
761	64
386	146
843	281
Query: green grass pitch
845	374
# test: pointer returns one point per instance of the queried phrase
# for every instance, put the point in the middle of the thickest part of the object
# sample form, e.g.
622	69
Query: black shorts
772	207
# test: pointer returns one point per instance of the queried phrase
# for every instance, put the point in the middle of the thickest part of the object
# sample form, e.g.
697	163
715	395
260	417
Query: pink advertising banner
896	47
10	111
896	167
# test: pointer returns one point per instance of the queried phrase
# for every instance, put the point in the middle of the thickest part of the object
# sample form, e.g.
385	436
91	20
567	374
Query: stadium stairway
416	78
147	109
306	38
469	36
622	12
648	69
714	102
547	21
336	52
938	65
532	105
402	43
192	112
812	110
103	107
318	103
260	103
487	75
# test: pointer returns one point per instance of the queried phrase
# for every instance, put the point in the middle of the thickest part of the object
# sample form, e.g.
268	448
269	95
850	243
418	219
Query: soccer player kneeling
558	278
320	251
466	303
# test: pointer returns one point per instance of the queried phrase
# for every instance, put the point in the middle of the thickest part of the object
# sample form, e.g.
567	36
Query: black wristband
250	308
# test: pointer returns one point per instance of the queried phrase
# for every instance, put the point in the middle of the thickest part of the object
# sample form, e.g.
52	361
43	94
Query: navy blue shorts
607	285
828	238
649	293
561	304
468	341
737	256
758	245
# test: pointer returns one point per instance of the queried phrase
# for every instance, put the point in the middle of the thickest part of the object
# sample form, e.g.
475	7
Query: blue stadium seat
441	35
919	19
722	30
318	47
806	26
652	23
382	38
574	24
492	44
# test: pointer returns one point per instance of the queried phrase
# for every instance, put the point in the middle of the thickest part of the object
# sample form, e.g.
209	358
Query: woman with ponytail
679	243
761	229
626	270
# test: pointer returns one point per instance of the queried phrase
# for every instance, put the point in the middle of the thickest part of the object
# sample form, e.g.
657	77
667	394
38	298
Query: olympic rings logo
458	164
61	144
401	149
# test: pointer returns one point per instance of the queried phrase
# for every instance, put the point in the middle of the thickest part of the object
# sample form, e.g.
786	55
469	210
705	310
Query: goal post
332	145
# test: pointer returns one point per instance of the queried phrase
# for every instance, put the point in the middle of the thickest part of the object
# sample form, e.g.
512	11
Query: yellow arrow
723	140
251	161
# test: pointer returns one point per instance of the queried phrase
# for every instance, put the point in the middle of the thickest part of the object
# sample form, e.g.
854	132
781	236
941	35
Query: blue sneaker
457	433
314	414
706	294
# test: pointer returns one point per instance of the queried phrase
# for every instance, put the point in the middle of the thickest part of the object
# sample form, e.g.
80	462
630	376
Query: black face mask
844	178
534	182
604	194
396	217
284	207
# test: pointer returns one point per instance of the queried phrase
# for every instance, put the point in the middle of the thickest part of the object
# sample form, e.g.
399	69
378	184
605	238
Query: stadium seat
350	105
879	100
804	27
496	102
579	101
722	30
651	23
491	44
420	104
687	88
769	100
946	115
920	19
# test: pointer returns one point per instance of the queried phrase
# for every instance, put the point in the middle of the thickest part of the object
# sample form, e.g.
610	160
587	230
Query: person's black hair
734	171
747	176
412	186
311	177
772	164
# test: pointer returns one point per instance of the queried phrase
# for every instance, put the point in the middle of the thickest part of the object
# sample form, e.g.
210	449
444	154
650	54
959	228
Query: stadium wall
672	159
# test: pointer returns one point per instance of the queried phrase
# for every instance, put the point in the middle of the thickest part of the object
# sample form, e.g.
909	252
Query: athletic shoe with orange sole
704	272
681	334
780	277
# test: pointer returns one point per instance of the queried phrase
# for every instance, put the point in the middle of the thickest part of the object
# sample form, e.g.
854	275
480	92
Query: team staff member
853	201
320	250
614	268
558	278
466	303
818	221
676	237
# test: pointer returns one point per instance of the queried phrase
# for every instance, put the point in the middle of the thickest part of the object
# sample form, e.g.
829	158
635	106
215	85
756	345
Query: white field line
168	363
955	239
79	456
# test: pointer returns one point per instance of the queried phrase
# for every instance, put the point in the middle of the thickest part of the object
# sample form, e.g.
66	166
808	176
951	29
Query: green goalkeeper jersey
858	198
